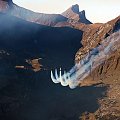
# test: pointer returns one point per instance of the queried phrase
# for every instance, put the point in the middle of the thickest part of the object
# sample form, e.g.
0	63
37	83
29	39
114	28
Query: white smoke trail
86	65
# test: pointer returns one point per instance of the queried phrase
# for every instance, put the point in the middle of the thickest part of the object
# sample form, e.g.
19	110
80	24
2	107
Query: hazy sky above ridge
96	10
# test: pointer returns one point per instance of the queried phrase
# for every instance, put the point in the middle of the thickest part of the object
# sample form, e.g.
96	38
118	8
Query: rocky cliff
107	74
95	33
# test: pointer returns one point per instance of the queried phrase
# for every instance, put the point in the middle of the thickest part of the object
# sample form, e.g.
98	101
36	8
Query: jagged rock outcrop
76	19
74	14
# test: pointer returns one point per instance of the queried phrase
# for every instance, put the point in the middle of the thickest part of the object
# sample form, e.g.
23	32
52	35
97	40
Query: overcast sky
96	10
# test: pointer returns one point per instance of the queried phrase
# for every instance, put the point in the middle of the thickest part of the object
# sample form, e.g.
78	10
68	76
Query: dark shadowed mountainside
25	94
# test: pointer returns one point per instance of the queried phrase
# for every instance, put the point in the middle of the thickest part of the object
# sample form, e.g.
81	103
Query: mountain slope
106	74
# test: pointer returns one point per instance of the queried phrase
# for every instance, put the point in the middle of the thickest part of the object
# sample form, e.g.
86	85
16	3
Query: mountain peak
72	12
75	14
82	14
75	8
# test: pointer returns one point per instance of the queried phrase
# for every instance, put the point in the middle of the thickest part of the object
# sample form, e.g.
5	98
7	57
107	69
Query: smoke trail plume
86	65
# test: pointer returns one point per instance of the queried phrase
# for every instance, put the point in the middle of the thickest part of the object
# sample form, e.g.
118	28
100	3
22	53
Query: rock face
94	34
108	72
73	13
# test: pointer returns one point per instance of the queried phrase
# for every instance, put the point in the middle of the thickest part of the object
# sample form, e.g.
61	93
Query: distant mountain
9	7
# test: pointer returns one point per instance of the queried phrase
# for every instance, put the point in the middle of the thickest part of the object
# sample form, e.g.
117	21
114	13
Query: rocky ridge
72	14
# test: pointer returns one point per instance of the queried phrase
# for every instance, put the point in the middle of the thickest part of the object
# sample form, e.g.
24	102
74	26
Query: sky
96	10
